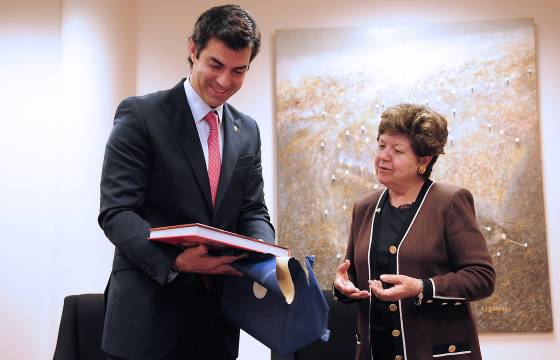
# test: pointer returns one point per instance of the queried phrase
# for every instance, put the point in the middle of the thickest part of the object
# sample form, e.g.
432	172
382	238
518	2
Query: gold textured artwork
333	84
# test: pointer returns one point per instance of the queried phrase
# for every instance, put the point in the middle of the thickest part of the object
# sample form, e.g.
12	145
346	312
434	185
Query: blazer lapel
180	117
230	153
413	220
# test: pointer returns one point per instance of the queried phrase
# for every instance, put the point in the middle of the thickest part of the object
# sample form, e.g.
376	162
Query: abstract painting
332	86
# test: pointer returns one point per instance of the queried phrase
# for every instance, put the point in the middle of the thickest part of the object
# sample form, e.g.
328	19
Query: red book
195	234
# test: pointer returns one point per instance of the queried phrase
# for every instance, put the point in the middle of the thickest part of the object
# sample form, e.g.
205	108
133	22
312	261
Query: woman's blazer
443	244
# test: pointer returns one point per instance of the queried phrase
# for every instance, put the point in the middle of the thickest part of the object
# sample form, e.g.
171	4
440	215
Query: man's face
218	72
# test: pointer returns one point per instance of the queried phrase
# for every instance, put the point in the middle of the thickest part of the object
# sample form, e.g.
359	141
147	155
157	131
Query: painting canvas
332	86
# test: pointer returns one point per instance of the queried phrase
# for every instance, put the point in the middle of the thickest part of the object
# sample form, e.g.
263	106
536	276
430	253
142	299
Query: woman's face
396	163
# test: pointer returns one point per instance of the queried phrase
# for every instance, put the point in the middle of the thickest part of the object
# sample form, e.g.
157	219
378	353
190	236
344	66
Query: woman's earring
421	170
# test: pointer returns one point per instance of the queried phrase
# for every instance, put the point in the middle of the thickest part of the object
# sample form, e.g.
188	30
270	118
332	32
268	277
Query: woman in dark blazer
416	257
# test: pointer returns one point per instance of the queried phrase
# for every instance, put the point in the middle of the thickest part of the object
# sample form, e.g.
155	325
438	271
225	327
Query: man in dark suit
181	156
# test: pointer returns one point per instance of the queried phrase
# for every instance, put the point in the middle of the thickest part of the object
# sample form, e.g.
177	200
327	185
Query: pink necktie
214	161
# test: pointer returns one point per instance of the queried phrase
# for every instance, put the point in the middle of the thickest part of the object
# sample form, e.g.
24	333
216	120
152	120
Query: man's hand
343	284
403	287
196	260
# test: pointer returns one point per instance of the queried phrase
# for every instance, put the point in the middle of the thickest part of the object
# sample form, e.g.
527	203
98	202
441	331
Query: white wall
29	53
65	64
64	67
97	69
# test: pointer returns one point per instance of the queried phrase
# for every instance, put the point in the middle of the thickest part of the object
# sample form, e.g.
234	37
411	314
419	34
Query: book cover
216	239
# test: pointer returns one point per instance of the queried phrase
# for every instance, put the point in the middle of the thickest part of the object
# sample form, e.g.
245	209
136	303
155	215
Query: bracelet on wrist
418	298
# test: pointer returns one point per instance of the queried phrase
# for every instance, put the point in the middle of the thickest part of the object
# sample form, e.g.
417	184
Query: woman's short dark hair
228	23
425	128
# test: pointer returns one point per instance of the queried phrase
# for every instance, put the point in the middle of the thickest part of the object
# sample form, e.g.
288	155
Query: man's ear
192	50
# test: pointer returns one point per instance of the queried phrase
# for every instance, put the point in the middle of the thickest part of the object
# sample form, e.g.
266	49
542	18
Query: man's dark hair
228	23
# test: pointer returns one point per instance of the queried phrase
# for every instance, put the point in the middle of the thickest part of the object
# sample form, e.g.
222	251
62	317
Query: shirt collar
198	107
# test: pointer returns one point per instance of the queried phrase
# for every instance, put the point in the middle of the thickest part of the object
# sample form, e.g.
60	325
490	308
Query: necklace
404	206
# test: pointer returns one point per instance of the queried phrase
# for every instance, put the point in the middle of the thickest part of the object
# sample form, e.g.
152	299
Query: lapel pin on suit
236	125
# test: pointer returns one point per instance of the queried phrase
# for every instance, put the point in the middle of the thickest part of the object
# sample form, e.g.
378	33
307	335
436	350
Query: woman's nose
384	154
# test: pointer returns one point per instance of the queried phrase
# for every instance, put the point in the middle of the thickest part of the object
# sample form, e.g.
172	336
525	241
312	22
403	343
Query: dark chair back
81	328
342	340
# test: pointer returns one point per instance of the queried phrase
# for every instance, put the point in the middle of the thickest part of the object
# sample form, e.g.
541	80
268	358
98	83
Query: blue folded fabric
262	271
266	315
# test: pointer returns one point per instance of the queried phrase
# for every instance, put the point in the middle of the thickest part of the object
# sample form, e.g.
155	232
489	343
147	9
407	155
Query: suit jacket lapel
184	128
230	153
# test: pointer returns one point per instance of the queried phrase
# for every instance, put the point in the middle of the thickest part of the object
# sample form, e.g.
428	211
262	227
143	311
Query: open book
195	234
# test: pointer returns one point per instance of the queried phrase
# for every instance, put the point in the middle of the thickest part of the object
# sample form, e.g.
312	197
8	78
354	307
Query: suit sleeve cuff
428	290
430	296
171	275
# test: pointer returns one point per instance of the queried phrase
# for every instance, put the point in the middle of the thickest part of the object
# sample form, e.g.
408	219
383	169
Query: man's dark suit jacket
154	174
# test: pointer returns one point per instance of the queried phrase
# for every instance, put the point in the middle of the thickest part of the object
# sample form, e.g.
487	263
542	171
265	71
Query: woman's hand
403	287
343	284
